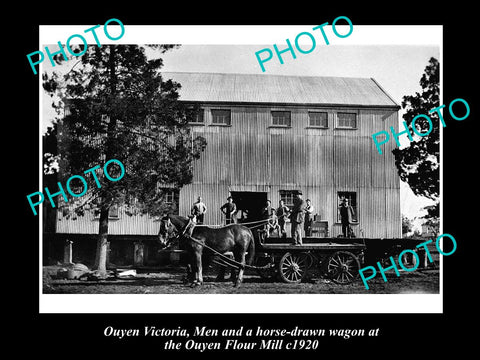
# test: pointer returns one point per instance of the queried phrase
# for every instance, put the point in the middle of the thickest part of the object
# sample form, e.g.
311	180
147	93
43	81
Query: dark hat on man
299	192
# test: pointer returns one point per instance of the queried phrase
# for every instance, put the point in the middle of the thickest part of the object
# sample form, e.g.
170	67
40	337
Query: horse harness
225	260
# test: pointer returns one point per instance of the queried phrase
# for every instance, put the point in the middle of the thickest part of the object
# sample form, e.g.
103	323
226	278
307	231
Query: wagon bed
338	258
312	246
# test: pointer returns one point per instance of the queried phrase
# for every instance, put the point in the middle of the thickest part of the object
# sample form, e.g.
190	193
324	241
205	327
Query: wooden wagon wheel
268	273
343	267
293	267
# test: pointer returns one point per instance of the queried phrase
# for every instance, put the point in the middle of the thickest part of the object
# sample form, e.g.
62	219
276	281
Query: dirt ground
169	281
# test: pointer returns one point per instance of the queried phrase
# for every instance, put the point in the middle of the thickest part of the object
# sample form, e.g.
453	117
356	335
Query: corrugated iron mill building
271	136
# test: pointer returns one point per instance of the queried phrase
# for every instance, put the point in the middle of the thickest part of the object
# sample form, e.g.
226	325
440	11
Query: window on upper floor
346	120
281	118
318	119
221	117
198	118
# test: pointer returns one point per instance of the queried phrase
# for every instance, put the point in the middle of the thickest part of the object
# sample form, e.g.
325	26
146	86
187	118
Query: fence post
67	252
139	248
107	260
422	255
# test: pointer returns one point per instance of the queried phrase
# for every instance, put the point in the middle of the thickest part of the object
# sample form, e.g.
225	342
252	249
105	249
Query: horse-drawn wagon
339	259
236	246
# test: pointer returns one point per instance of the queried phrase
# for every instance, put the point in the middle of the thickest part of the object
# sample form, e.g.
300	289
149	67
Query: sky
395	56
398	69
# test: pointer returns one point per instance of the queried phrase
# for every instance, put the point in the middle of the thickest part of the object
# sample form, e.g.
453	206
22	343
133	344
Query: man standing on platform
229	209
297	217
309	218
198	210
346	218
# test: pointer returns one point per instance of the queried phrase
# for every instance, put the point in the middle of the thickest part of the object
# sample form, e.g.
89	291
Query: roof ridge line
255	74
384	91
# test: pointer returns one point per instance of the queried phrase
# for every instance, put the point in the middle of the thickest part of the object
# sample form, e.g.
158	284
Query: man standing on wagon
297	218
198	210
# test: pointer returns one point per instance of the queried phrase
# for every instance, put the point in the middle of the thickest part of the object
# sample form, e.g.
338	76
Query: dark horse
234	238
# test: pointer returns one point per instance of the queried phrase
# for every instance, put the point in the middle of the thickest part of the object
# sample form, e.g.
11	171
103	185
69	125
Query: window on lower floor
171	199
113	212
351	197
288	197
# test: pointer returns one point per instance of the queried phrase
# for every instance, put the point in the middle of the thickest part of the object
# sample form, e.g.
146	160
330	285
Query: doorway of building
249	205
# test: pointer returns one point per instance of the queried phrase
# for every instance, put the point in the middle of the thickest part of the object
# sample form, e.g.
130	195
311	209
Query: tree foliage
419	163
118	106
407	225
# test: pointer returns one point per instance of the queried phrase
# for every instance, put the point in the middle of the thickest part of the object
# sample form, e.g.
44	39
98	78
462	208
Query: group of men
229	209
302	212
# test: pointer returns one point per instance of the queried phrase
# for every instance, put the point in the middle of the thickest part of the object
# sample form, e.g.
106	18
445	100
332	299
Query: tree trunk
102	246
101	253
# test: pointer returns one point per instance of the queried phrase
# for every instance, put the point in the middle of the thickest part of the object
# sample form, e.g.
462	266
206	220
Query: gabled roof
280	89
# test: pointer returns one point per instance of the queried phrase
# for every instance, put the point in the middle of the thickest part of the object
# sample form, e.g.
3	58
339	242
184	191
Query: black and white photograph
285	187
216	177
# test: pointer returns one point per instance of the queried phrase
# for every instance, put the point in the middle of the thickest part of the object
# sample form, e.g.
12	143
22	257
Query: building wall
123	225
252	155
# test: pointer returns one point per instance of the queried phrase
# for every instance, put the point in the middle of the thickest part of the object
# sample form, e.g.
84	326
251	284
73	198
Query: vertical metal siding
251	156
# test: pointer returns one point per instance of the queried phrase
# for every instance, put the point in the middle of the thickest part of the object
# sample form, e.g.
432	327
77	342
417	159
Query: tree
419	164
407	225
432	219
118	106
